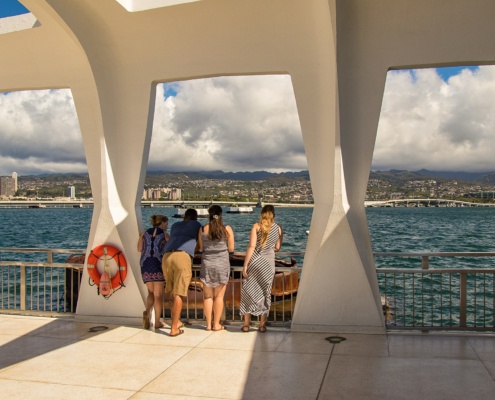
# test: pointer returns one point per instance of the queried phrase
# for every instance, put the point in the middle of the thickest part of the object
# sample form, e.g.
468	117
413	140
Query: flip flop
245	328
262	328
177	334
222	328
162	325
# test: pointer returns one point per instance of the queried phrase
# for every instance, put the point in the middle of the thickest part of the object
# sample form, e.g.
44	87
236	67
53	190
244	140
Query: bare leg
218	294
247	322
262	327
208	305
158	302
149	299
176	310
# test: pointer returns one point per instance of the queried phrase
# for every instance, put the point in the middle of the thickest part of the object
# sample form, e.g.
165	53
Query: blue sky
9	8
446	72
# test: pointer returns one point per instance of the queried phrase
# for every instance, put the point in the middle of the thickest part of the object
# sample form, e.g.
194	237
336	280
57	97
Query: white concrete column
335	292
116	150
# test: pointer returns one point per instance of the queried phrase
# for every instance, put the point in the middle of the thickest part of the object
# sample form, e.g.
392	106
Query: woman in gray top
215	241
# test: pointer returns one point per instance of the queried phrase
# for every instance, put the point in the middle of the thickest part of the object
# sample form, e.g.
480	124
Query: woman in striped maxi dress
259	268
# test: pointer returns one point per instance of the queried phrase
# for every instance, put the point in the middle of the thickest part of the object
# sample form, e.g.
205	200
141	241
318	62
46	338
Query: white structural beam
337	53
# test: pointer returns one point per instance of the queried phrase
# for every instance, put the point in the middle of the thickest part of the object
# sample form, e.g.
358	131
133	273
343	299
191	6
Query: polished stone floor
50	358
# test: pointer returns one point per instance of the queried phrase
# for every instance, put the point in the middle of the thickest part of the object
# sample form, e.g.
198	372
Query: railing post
425	262
463	300
49	257
23	287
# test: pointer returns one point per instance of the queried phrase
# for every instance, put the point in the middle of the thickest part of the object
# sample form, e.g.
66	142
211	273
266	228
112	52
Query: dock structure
245	206
109	53
46	203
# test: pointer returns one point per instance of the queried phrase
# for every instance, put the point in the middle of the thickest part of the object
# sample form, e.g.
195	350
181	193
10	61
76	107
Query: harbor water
439	229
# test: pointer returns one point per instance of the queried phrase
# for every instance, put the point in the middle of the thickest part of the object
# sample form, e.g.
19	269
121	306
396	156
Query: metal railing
52	287
438	298
39	287
426	298
283	299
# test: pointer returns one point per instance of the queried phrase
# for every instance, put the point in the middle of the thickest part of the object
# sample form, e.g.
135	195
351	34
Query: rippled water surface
392	229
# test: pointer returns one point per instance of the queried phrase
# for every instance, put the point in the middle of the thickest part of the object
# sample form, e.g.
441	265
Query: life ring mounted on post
105	253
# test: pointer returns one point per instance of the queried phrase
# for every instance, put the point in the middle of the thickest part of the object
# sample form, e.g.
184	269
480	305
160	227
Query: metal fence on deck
39	287
423	298
52	287
284	292
438	298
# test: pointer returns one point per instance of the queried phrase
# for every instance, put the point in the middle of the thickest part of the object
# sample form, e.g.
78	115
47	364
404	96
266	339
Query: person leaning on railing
177	263
151	245
215	242
259	268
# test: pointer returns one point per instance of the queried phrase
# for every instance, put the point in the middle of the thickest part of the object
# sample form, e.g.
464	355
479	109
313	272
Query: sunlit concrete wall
337	53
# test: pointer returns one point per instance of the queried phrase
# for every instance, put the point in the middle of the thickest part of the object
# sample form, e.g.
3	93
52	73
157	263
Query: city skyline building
71	192
7	186
158	193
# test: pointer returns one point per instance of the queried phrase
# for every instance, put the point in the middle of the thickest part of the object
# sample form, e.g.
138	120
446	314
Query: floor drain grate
335	339
97	328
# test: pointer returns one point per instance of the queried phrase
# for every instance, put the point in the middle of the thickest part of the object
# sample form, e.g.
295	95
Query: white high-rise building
71	192
14	177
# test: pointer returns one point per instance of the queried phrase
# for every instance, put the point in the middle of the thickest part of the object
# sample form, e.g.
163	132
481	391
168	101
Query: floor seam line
325	373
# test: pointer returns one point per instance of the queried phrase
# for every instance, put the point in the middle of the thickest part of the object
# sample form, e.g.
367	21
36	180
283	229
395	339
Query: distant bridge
425	203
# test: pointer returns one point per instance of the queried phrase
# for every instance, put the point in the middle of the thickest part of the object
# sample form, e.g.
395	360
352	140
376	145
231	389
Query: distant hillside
394	176
399	177
238	176
487	179
465	176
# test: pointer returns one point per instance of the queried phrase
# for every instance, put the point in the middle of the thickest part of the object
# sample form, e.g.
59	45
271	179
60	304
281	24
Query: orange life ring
97	254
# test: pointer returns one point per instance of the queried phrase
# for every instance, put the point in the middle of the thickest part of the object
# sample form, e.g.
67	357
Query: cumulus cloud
39	133
430	123
230	123
251	123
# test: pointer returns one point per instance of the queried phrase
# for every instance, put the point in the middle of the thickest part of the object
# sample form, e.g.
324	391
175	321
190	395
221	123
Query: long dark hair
217	228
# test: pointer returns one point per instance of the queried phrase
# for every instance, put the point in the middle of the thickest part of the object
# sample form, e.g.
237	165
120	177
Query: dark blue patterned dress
151	256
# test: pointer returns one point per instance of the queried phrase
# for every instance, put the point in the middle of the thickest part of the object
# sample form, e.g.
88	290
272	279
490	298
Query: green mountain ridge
393	176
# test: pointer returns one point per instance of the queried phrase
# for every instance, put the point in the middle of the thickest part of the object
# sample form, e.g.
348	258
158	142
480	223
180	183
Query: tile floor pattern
50	358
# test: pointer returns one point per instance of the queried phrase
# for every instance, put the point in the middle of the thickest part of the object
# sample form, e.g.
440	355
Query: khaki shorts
177	268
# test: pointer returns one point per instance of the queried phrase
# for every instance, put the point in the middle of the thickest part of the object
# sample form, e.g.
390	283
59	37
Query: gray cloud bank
251	123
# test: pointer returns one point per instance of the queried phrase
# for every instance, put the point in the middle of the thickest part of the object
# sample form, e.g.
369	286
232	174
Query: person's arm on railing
230	239
278	245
